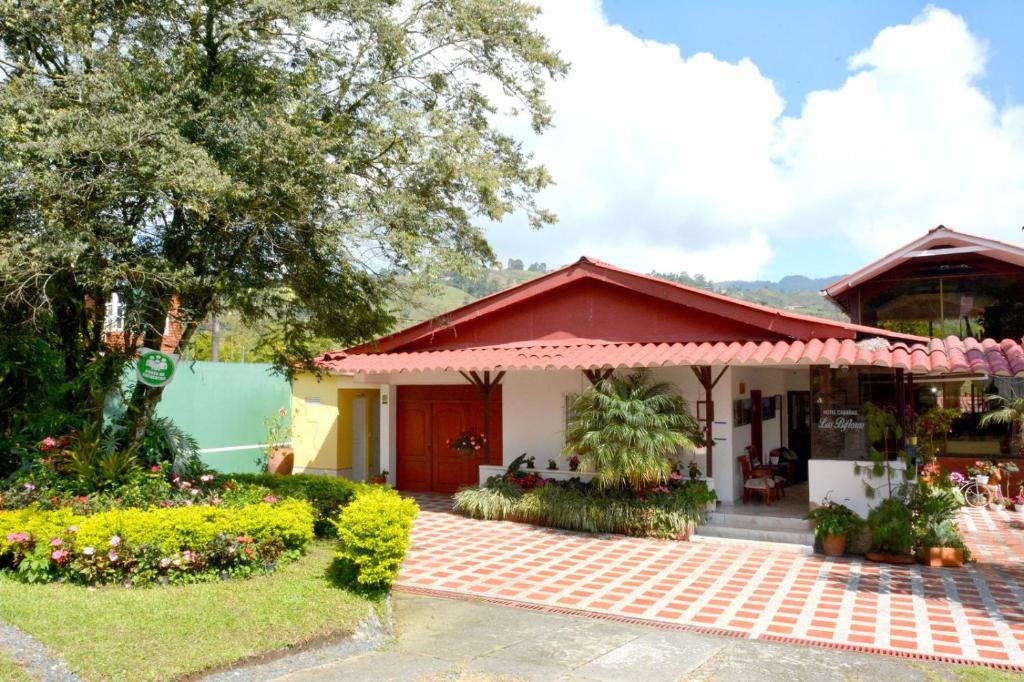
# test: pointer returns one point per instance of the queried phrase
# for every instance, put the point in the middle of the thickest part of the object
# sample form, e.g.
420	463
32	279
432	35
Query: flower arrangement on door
469	443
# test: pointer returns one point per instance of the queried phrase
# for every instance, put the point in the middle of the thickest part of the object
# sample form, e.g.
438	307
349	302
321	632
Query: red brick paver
972	614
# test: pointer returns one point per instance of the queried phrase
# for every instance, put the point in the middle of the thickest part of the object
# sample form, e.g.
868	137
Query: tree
538	267
626	428
515	264
289	160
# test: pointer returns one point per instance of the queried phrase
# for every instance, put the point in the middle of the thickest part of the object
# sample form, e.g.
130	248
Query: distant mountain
788	284
795	293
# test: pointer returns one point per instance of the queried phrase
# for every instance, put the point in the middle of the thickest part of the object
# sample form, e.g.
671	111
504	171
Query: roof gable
593	301
939	242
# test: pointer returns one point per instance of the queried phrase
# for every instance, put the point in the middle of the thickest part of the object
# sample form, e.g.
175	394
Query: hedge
327	494
180	543
373	537
670	514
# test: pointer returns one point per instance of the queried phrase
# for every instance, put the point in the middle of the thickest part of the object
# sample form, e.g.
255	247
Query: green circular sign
155	368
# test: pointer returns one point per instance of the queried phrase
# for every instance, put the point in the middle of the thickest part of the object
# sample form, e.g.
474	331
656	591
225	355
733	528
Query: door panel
452	469
413	445
427	417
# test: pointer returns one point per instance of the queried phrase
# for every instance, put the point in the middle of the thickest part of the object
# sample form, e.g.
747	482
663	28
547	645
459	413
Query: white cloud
673	162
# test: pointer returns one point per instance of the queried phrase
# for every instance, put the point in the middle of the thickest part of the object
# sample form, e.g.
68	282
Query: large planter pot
950	557
886	558
1018	507
834	545
281	461
981	479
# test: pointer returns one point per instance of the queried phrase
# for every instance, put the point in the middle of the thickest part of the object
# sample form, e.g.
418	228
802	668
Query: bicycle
976	495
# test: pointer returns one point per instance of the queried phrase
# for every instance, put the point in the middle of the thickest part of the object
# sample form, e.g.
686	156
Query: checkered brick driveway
974	614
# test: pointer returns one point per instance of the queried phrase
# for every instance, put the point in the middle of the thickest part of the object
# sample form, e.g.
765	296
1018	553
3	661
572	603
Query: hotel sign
841	420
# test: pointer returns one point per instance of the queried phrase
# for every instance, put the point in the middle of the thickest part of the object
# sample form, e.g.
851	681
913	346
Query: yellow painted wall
315	425
345	396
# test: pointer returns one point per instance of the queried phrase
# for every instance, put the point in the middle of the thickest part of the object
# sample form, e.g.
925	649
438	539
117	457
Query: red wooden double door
428	416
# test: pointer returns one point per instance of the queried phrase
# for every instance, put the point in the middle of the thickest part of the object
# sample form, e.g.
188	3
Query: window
114	319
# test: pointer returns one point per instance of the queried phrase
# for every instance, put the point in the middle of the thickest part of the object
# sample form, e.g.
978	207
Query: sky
746	140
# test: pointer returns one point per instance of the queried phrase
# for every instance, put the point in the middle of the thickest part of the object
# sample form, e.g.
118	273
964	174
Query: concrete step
790	537
754	544
757	521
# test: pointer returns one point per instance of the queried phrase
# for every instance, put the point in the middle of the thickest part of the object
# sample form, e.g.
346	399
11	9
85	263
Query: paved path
470	641
974	614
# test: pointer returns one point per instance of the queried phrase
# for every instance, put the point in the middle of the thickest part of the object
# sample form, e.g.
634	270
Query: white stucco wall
837	480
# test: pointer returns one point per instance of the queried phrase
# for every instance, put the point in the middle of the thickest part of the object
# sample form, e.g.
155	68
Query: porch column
703	373
485	385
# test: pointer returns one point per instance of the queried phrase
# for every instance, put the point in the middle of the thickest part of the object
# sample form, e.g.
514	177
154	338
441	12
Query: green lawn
163	632
11	671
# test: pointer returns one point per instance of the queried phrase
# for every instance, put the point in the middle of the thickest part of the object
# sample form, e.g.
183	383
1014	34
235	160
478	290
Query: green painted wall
223	404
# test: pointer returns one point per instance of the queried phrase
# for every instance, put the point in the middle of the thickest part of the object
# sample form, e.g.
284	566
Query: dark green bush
327	494
891	527
373	536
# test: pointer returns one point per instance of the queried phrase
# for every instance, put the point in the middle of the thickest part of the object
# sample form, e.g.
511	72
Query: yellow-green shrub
373	536
147	536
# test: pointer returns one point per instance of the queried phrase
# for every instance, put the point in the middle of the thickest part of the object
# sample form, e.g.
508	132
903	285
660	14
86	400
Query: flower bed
137	546
664	511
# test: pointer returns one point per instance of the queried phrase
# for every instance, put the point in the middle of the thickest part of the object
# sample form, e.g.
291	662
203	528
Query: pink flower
165	562
56	542
215	501
115	541
185	485
271	499
60	555
206	478
112	555
282	412
155	468
72	529
49	443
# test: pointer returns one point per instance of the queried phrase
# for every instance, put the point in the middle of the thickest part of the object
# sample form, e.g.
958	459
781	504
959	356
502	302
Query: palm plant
1006	412
625	428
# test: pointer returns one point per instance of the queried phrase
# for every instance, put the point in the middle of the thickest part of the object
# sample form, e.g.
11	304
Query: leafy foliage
373	536
625	429
164	441
667	512
1006	412
327	494
96	461
891	528
183	544
833	518
285	160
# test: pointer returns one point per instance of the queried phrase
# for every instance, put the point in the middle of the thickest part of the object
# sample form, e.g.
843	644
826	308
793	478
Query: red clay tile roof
935	357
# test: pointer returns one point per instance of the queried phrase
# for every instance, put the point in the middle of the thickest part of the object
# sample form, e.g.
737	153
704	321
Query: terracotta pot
997	476
886	558
834	545
943	556
281	461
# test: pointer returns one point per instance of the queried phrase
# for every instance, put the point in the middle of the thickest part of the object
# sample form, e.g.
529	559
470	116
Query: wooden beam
596	375
703	374
486	386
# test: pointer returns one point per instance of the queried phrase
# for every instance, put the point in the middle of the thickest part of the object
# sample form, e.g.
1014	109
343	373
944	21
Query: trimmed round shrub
327	494
373	537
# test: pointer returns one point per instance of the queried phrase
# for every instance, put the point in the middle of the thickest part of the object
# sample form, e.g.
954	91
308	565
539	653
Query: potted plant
468	444
552	465
833	523
531	463
574	463
891	526
982	471
1018	502
279	453
379	479
943	545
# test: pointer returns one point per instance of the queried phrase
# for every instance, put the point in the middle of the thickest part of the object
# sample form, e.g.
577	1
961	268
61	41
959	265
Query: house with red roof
760	380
